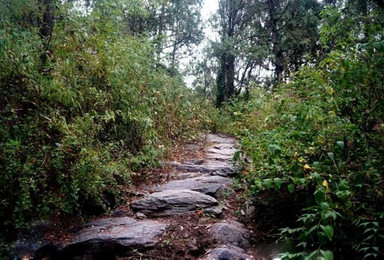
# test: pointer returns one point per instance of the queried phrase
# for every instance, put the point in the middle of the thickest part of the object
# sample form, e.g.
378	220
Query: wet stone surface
210	185
232	233
170	202
114	234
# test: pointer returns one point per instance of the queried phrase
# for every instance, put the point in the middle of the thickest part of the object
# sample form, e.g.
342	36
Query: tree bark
46	27
276	50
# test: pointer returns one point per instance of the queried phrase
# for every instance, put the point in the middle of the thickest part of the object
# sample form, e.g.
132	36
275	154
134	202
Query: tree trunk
46	27
221	81
230	82
276	51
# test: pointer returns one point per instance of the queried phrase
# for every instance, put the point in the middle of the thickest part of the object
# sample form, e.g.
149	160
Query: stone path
202	186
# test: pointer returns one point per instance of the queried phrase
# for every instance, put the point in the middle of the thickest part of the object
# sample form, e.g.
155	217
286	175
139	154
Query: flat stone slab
227	253
116	235
232	233
219	157
222	149
217	139
171	202
188	175
210	185
211	166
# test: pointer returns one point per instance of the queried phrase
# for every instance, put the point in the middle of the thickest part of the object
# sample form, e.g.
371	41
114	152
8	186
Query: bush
321	136
74	129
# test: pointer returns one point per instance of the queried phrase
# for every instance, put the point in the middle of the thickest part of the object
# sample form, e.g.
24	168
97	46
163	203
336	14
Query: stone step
210	185
114	235
220	157
217	139
171	202
210	166
222	148
230	234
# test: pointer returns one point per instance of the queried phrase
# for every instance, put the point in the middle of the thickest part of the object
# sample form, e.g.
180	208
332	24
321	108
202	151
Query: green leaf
317	177
325	206
236	156
331	156
268	183
273	148
277	182
328	255
291	187
340	144
319	195
328	231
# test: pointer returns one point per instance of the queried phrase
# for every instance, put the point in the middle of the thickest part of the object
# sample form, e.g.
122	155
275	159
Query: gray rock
222	149
220	157
207	167
194	161
211	185
225	172
188	167
115	235
140	215
227	253
214	211
188	175
232	233
172	202
217	139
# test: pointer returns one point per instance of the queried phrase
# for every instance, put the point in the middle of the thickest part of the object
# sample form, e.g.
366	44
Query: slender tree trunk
221	81
230	82
173	58
277	53
46	27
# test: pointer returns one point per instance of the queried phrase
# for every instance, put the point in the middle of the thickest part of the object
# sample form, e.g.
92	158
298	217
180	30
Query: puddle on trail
269	251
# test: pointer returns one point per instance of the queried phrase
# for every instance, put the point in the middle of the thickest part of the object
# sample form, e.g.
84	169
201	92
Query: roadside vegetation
312	148
84	106
92	93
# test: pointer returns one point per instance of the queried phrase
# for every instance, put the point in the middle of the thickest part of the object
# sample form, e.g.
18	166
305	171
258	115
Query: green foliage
321	136
76	128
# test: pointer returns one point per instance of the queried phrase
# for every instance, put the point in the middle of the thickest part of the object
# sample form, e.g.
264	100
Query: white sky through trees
209	7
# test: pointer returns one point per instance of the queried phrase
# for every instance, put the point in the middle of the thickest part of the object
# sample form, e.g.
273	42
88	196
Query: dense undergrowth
85	107
80	114
320	140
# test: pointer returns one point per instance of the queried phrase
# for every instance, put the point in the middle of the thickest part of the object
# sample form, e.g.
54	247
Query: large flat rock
218	139
210	185
219	157
115	235
222	149
232	233
171	202
211	166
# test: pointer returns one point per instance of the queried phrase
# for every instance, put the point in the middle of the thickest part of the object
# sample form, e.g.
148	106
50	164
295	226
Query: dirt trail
192	215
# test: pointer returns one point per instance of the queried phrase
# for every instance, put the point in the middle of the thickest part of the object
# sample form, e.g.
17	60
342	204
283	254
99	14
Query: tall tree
46	24
233	18
291	28
174	26
261	36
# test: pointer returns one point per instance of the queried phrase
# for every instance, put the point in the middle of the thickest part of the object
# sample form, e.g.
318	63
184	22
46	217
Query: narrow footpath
194	215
